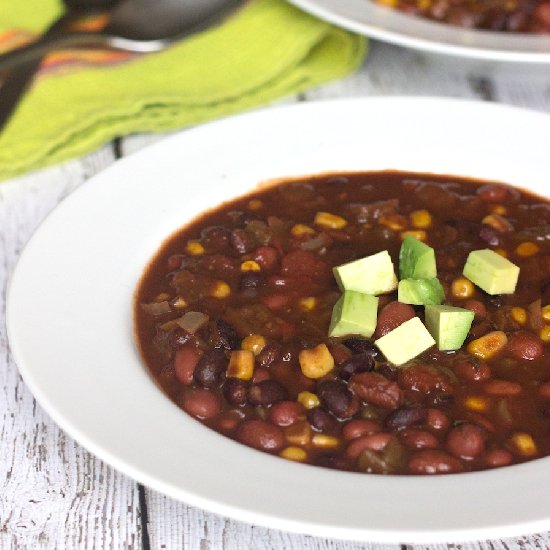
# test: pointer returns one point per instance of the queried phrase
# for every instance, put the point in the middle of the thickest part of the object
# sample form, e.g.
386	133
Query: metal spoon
135	25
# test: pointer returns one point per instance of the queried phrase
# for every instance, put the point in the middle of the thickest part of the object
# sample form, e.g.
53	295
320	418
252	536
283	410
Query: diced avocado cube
371	275
448	325
354	313
491	272
420	291
405	342
416	260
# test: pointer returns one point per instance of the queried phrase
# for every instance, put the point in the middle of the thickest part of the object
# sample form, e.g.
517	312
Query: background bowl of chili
391	25
71	329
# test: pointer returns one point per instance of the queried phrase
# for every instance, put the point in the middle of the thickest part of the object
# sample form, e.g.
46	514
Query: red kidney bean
261	435
544	390
477	307
174	261
276	300
502	388
267	257
340	353
391	316
228	422
200	403
493	193
432	461
261	374
473	370
235	391
320	420
377	390
498	458
374	442
424	378
185	361
266	393
359	427
418	439
335	397
466	441
437	420
303	263
525	345
211	368
285	413
405	416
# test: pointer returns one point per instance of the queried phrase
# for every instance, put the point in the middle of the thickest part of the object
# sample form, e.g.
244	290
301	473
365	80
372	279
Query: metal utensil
135	25
19	79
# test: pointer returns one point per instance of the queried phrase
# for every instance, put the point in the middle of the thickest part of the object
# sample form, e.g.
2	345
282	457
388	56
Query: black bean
388	371
210	369
320	420
250	280
437	399
227	336
360	345
335	397
266	392
178	338
361	362
405	416
271	353
490	235
242	241
235	391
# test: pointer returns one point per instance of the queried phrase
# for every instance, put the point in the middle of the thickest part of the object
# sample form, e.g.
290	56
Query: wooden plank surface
53	493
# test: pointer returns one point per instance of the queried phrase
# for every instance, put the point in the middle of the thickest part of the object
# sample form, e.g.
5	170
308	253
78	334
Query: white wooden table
53	493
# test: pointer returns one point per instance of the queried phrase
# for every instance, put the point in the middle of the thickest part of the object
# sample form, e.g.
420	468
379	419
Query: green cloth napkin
267	50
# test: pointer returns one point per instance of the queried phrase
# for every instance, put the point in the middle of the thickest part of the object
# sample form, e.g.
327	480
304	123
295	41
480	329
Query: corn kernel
462	288
421	218
250	265
501	252
544	333
194	248
497	222
527	249
389	3
394	221
254	343
301	229
309	303
546	313
418	234
489	345
524	444
255	204
294	453
519	315
241	364
308	400
179	302
325	441
330	221
316	362
476	403
299	433
498	209
423	4
161	297
220	290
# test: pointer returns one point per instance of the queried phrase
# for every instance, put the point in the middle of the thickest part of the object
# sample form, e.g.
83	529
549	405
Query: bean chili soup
229	303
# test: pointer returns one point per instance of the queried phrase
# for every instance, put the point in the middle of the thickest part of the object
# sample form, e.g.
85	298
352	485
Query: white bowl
71	331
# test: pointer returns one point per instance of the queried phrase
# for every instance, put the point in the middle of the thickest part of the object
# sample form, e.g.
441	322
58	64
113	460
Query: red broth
230	301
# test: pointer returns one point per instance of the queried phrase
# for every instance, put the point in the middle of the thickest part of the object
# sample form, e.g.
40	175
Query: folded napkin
81	100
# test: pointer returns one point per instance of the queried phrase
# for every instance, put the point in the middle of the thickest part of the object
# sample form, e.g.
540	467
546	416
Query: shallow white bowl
71	331
368	18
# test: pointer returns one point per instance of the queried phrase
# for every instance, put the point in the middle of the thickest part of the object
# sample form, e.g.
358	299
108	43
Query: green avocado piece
354	313
420	291
370	275
405	342
491	272
416	260
448	325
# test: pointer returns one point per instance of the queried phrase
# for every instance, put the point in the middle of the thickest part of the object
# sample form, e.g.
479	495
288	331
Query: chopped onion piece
156	308
192	321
